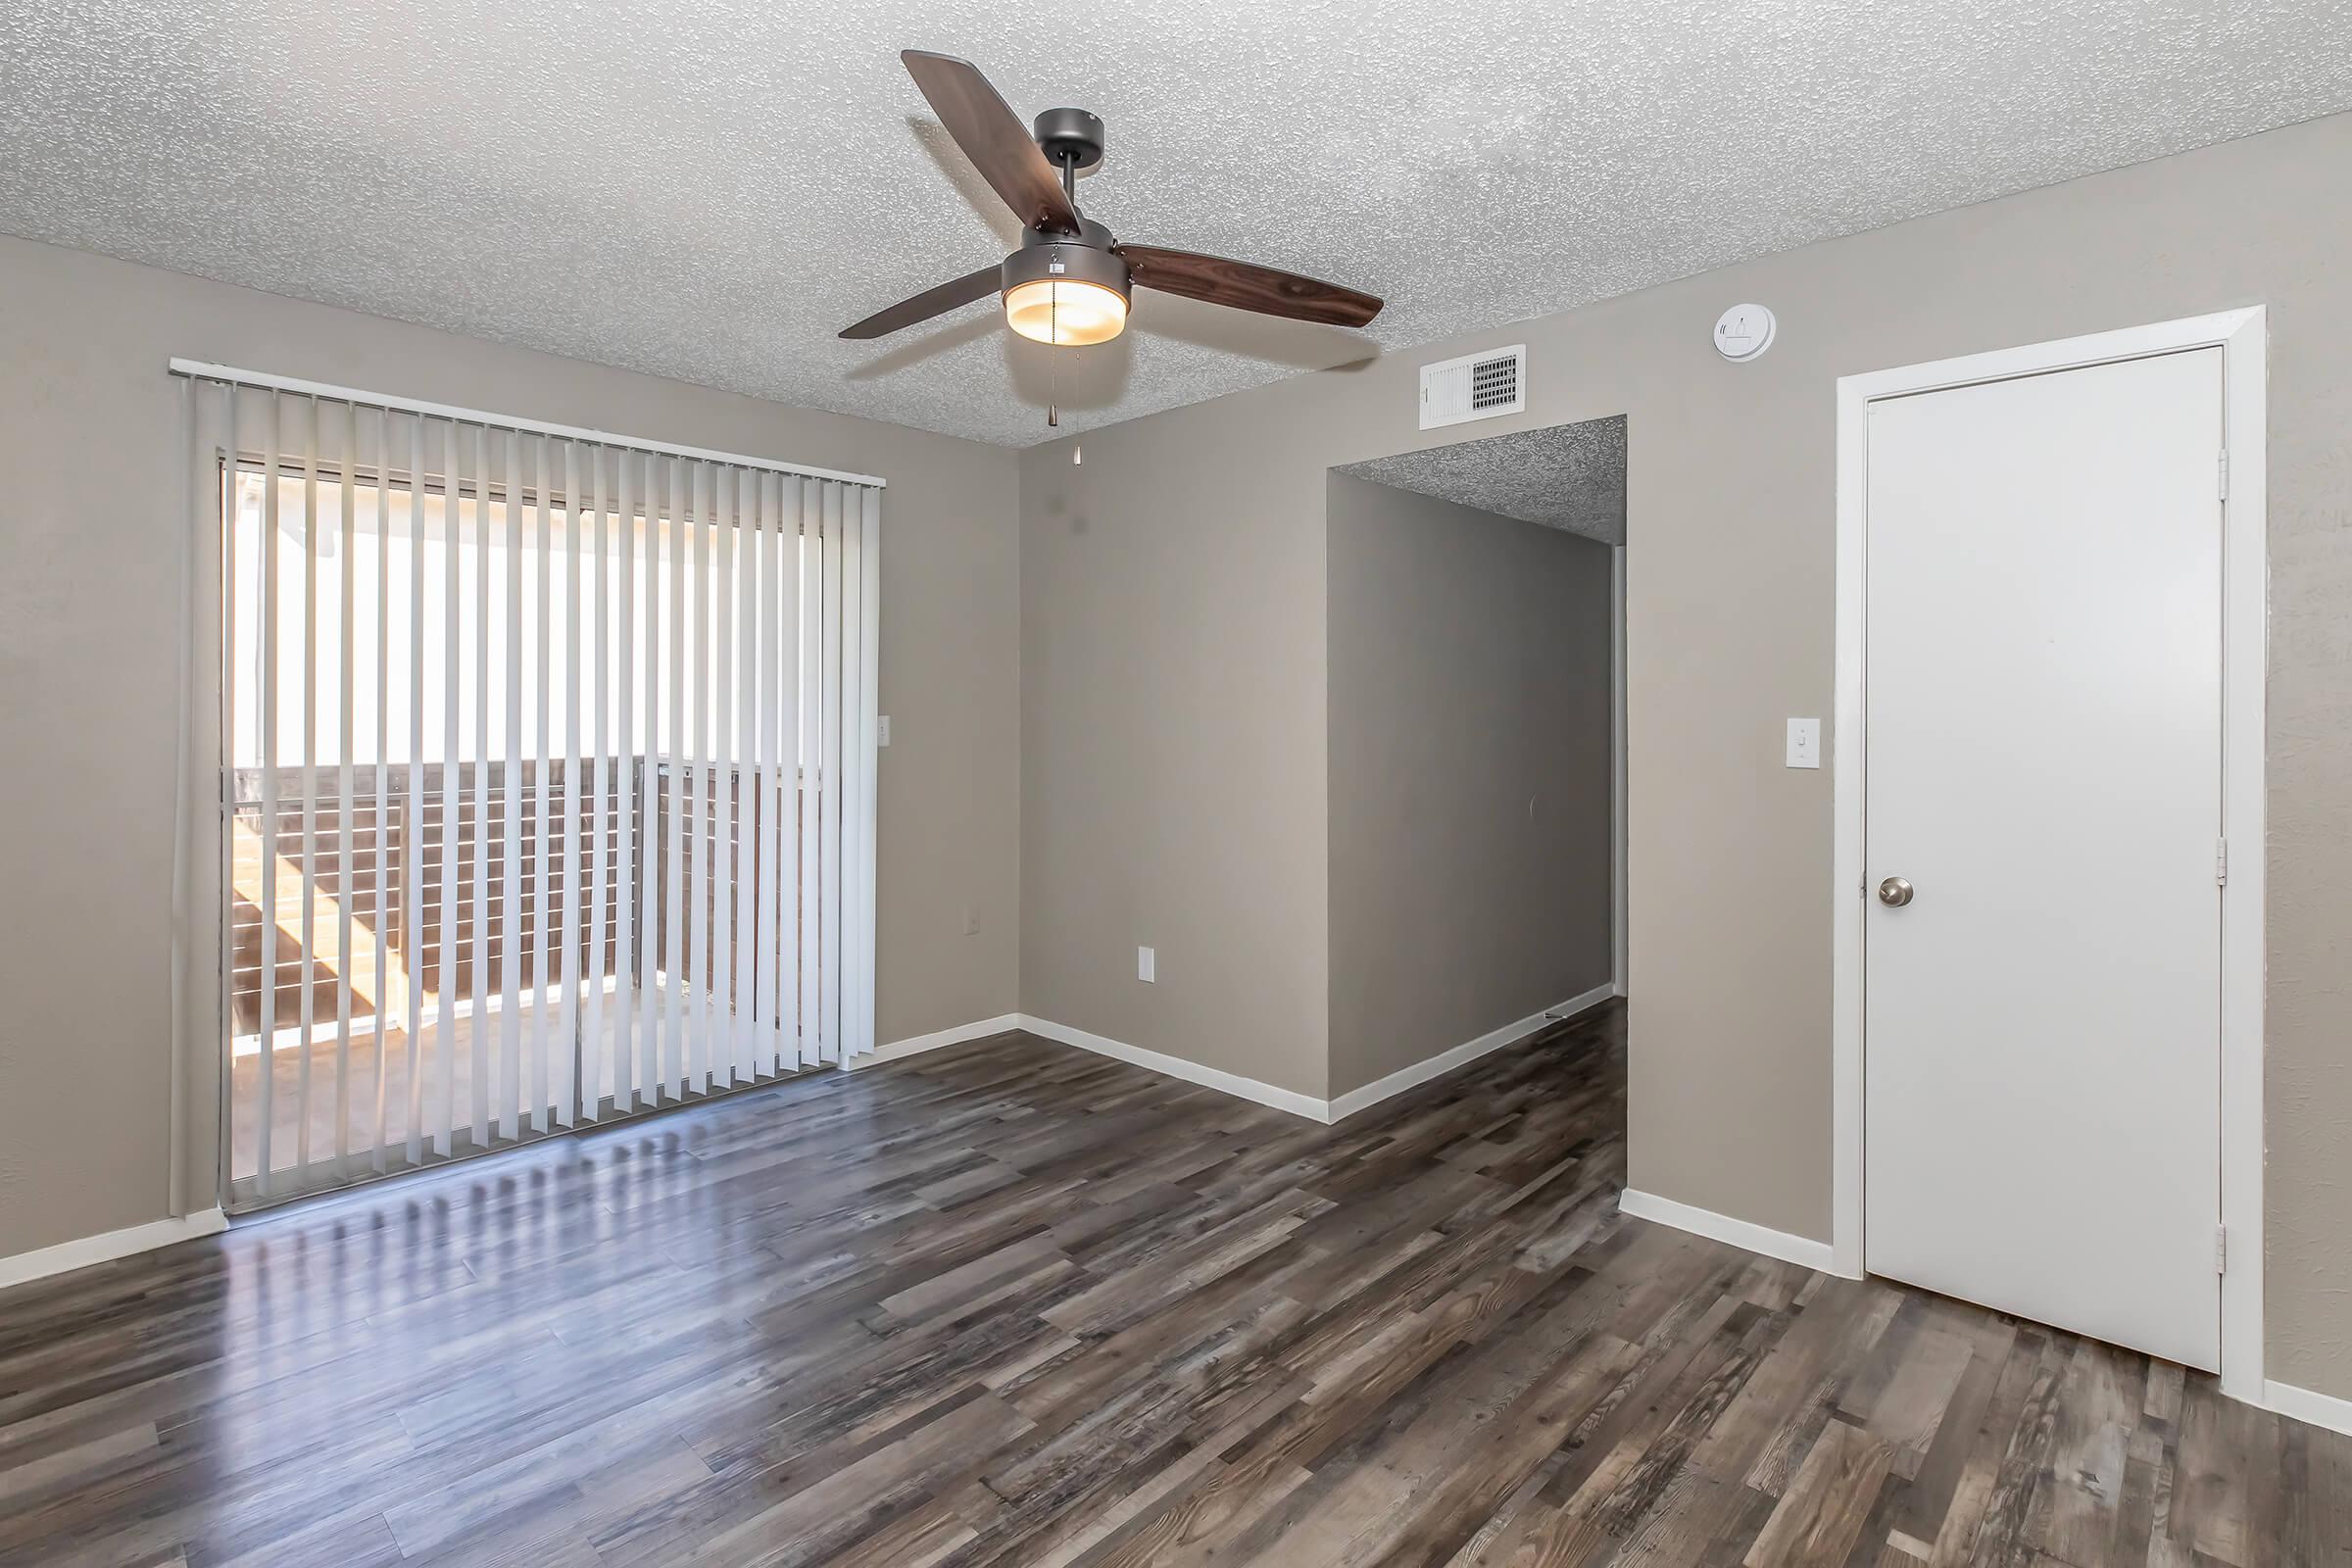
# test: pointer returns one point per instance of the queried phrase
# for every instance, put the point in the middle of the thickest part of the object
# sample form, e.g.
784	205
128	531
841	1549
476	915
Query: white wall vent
1475	386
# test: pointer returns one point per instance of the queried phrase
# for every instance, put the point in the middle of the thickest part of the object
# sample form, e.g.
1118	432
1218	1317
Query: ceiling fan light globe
1065	310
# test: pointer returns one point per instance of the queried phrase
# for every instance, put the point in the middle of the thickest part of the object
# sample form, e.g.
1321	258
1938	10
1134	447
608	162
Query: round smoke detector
1743	332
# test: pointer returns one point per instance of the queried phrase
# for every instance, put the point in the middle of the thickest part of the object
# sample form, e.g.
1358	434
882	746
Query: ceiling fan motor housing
1070	135
1085	257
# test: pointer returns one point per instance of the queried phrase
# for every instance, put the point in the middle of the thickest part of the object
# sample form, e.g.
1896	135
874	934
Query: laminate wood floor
1015	1304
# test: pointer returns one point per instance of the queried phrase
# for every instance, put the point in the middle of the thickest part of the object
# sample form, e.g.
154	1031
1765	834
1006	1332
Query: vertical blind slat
784	772
567	1052
625	1080
751	921
698	783
653	1075
411	852
509	980
541	881
346	809
383	927
674	1063
229	509
305	941
445	1033
267	835
594	1051
479	1026
722	978
810	892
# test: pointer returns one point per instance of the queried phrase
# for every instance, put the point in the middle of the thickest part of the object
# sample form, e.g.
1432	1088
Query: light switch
1147	964
1804	743
882	729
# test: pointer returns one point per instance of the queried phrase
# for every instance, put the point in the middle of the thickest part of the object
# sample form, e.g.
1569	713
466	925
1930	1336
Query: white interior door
2043	769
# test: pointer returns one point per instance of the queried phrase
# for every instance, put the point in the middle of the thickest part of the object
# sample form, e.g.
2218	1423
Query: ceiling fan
1070	281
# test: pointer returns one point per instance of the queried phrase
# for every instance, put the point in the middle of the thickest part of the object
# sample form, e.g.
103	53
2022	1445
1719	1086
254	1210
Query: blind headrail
201	371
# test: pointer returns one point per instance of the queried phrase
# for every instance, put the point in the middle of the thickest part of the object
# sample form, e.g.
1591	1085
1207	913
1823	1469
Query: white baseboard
2307	1405
1716	1227
66	1256
1191	1072
916	1045
1251	1089
1437	1066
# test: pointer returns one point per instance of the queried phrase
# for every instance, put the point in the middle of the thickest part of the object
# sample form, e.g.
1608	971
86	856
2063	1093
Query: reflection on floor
1017	1305
348	1078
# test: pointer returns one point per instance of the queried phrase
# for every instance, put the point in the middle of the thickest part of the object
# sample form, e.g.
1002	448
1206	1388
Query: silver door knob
1894	893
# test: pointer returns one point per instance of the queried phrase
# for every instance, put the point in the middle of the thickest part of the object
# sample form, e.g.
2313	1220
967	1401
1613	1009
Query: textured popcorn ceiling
1568	476
710	190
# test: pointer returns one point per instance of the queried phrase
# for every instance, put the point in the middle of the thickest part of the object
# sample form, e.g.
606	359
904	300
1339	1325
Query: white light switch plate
1804	743
1147	964
882	729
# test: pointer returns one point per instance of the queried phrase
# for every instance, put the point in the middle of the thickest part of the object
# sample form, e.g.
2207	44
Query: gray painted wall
90	521
1173	741
1173	682
1469	702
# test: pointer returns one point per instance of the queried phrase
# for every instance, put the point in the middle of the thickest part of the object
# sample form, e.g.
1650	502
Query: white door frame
2241	335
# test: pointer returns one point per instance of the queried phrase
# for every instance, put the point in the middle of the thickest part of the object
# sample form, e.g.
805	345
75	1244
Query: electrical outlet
1147	965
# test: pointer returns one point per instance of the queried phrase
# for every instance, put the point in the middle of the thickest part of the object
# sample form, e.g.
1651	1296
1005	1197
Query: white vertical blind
568	881
380	925
654	1073
347	849
779	786
748	1013
308	776
676	1064
478	808
547	777
627	1078
268	716
599	789
721	975
698	786
412	855
511	1099
537	875
447	799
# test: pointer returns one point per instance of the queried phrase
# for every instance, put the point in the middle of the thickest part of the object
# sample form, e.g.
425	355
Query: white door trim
2241	335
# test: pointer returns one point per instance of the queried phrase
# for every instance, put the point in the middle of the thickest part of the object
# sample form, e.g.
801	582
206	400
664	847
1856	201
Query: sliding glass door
546	785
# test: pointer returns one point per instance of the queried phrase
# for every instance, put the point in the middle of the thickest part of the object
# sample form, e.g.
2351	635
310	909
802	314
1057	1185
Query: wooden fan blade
1246	286
994	138
929	303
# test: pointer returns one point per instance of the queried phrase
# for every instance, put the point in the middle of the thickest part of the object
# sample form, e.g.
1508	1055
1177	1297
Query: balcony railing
517	900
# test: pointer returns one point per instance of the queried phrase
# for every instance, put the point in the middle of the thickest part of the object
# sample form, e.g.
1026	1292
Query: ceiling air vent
1475	386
